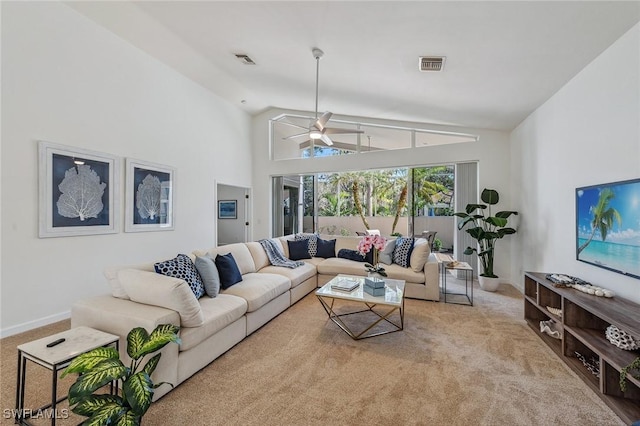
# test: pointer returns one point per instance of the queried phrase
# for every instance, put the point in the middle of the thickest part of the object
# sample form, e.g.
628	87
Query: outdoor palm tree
603	217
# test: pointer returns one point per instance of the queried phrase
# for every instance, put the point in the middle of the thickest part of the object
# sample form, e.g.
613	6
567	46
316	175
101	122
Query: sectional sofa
140	297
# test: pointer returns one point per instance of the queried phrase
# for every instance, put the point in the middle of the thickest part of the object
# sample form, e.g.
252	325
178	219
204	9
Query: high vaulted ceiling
503	59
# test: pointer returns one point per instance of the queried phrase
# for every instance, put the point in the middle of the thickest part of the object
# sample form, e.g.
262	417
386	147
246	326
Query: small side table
468	281
77	341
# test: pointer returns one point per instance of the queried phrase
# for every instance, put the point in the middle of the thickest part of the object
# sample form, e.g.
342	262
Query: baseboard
20	328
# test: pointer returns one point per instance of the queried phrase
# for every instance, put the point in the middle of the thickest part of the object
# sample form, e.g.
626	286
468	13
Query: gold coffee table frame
393	300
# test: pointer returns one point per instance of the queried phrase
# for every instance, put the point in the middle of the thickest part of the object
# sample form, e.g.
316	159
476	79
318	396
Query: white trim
30	325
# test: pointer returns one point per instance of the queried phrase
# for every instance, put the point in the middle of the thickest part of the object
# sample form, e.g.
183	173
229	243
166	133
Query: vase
488	283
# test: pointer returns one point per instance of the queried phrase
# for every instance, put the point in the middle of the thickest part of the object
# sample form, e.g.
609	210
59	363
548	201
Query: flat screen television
608	226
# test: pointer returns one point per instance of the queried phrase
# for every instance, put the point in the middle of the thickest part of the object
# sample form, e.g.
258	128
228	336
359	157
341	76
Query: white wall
492	152
69	81
587	133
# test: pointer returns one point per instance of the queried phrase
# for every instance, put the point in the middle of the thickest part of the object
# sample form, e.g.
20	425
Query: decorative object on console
592	364
149	203
632	368
101	366
78	191
606	220
182	267
486	230
555	311
373	243
592	289
549	327
621	339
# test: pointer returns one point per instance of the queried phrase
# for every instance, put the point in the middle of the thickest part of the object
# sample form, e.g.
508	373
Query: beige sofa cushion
218	313
397	272
111	274
260	258
159	290
419	255
240	252
259	289
296	275
336	265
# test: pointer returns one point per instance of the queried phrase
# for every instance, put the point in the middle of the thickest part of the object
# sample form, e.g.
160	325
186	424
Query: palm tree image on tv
603	217
608	226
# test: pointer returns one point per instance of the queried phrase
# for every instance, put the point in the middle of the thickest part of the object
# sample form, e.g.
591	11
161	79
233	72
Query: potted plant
437	244
486	229
102	366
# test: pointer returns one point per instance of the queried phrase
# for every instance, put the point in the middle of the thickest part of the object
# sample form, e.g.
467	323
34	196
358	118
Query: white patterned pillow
182	267
402	252
313	242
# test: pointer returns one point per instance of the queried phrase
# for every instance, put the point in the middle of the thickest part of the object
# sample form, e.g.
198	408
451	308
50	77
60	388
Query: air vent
430	63
245	59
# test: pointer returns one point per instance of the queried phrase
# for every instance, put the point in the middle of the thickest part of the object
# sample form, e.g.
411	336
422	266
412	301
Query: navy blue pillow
228	270
355	255
402	252
182	267
298	250
326	248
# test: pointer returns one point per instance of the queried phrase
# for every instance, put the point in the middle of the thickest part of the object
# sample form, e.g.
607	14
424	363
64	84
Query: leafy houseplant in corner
102	366
486	230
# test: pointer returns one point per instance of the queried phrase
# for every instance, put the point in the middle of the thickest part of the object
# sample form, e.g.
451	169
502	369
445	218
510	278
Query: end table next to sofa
77	341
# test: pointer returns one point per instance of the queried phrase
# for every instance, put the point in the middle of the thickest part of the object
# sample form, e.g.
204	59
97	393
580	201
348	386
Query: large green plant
102	366
485	228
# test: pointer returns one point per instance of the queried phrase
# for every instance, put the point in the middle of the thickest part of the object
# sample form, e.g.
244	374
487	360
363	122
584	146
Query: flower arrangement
375	243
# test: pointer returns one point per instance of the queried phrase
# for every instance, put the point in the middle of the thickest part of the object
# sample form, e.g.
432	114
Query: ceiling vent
430	63
245	59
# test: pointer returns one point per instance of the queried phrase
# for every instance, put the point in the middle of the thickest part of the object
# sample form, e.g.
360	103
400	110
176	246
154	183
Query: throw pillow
313	242
351	255
209	273
419	255
386	255
228	270
402	252
326	248
298	250
182	267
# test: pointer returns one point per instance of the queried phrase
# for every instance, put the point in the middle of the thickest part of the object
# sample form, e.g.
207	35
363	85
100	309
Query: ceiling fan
318	129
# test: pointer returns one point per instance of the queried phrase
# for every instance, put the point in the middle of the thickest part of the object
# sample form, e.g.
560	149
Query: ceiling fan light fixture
315	134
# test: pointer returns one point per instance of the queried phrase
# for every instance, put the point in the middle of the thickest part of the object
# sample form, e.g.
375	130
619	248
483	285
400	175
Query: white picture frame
66	210
150	192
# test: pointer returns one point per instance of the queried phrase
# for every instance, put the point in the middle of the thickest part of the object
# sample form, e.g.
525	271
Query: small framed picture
78	191
227	209
150	194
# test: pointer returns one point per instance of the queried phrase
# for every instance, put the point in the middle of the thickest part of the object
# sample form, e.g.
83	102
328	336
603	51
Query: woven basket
621	339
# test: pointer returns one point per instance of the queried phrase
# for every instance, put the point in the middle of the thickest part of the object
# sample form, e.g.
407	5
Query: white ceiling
503	59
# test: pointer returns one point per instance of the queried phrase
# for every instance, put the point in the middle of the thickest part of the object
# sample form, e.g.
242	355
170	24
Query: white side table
77	341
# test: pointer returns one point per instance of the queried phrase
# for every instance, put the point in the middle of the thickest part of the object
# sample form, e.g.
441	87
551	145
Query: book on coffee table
345	284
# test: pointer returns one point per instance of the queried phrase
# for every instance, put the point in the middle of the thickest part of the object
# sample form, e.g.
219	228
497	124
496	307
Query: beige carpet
452	365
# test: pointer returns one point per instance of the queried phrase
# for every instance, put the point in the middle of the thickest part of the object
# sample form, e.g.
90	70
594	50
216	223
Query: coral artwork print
81	193
148	197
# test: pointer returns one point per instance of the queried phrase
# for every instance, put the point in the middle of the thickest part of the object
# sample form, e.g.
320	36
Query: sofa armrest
119	316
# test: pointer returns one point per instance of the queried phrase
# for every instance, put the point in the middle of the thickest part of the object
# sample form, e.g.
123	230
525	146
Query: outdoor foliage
81	193
102	366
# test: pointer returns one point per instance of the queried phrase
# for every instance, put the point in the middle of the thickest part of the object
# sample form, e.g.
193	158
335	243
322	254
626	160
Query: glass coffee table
389	309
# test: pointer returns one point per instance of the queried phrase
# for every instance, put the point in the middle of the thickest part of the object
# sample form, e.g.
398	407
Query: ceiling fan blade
292	125
335	131
298	135
326	139
305	144
322	121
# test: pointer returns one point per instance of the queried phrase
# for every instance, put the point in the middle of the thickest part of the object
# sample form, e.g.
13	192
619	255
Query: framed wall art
78	191
227	209
150	192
